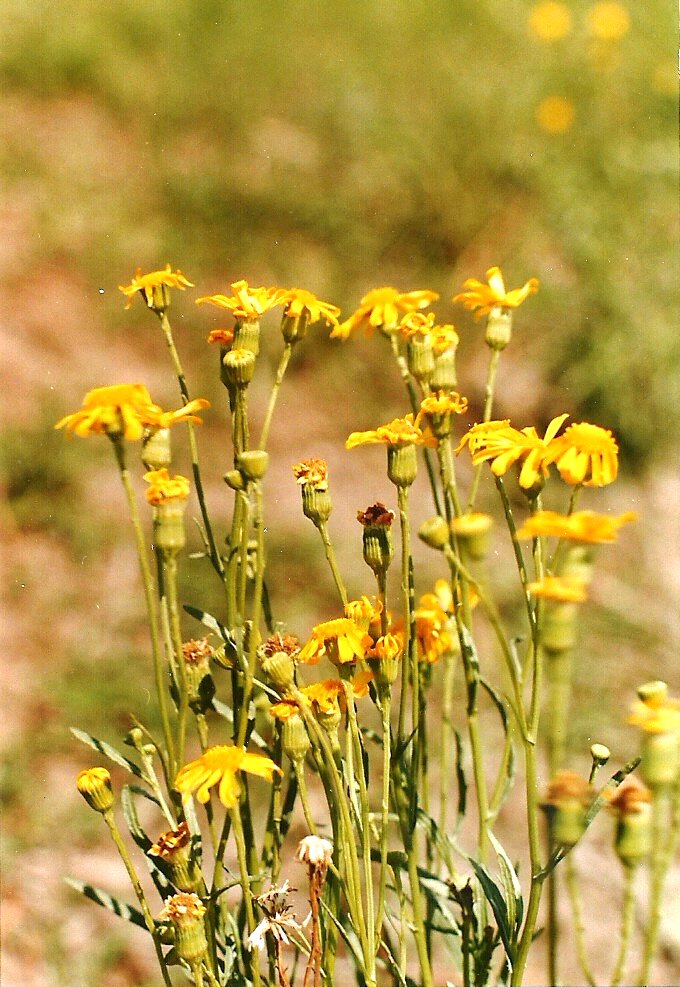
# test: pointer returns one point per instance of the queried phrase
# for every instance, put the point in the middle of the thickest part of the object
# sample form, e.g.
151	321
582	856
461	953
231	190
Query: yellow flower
225	337
550	20
585	454
608	21
221	765
246	302
504	446
444	402
325	696
340	640
362	612
417	324
433	623
284	709
94	784
444	338
124	410
389	647
298	302
162	488
145	284
561	588
383	307
582	526
484	297
312	473
555	114
399	432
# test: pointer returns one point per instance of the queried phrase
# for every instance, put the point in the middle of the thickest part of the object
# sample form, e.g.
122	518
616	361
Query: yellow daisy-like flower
340	640
585	454
145	284
561	588
483	297
312	473
550	20
124	410
664	718
284	709
608	20
433	623
503	445
581	526
327	696
163	488
444	402
388	647
363	612
246	302
383	307
399	432
221	765
299	301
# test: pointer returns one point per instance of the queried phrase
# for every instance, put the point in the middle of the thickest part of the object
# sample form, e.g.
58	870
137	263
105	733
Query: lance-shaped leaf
120	908
108	751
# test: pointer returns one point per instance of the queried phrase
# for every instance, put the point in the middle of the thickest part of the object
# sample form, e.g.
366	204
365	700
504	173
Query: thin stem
385	709
141	898
322	528
170	563
488	405
193	447
663	845
299	768
149	596
239	839
255	611
280	373
627	923
579	925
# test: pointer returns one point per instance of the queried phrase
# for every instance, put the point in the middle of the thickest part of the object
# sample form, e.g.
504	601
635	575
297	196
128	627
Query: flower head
585	454
314	851
503	445
340	640
125	410
94	784
169	843
146	284
298	302
383	307
398	432
182	909
225	337
444	402
444	338
221	765
483	297
433	623
312	473
417	324
581	526
560	588
656	712
245	302
163	488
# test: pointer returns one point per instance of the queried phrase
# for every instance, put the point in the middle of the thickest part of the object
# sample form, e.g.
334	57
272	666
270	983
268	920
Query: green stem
299	768
141	898
410	666
322	528
149	596
663	845
537	877
385	709
239	839
577	912
193	447
170	565
627	923
488	405
280	373
256	611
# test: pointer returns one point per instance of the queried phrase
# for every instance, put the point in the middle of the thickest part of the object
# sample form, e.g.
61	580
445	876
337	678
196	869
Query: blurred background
339	147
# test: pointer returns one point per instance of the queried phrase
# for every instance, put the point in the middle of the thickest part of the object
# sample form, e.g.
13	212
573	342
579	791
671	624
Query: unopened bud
402	464
498	328
253	463
434	532
94	784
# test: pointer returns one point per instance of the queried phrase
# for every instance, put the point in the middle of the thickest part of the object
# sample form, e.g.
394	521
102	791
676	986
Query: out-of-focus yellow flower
560	588
555	114
399	432
585	454
312	473
583	526
383	307
483	297
363	612
417	324
145	284
433	623
502	445
125	410
246	302
444	338
221	765
340	640
608	20
298	301
656	716
550	20
162	487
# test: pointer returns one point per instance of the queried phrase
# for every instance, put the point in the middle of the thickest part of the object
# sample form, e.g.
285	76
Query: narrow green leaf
119	908
495	898
156	869
108	751
511	886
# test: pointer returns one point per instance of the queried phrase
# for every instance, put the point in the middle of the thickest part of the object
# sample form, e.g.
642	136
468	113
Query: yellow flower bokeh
555	114
550	20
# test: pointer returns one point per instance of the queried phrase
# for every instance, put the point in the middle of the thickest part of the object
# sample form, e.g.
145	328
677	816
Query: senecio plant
383	757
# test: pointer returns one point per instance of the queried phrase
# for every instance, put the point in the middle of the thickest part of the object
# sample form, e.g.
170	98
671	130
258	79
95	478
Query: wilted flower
314	851
278	921
313	473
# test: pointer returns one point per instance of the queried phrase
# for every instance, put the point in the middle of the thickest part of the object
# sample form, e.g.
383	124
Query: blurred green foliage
344	145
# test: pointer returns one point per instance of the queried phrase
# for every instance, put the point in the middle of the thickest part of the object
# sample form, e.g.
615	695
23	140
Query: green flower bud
498	328
402	464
